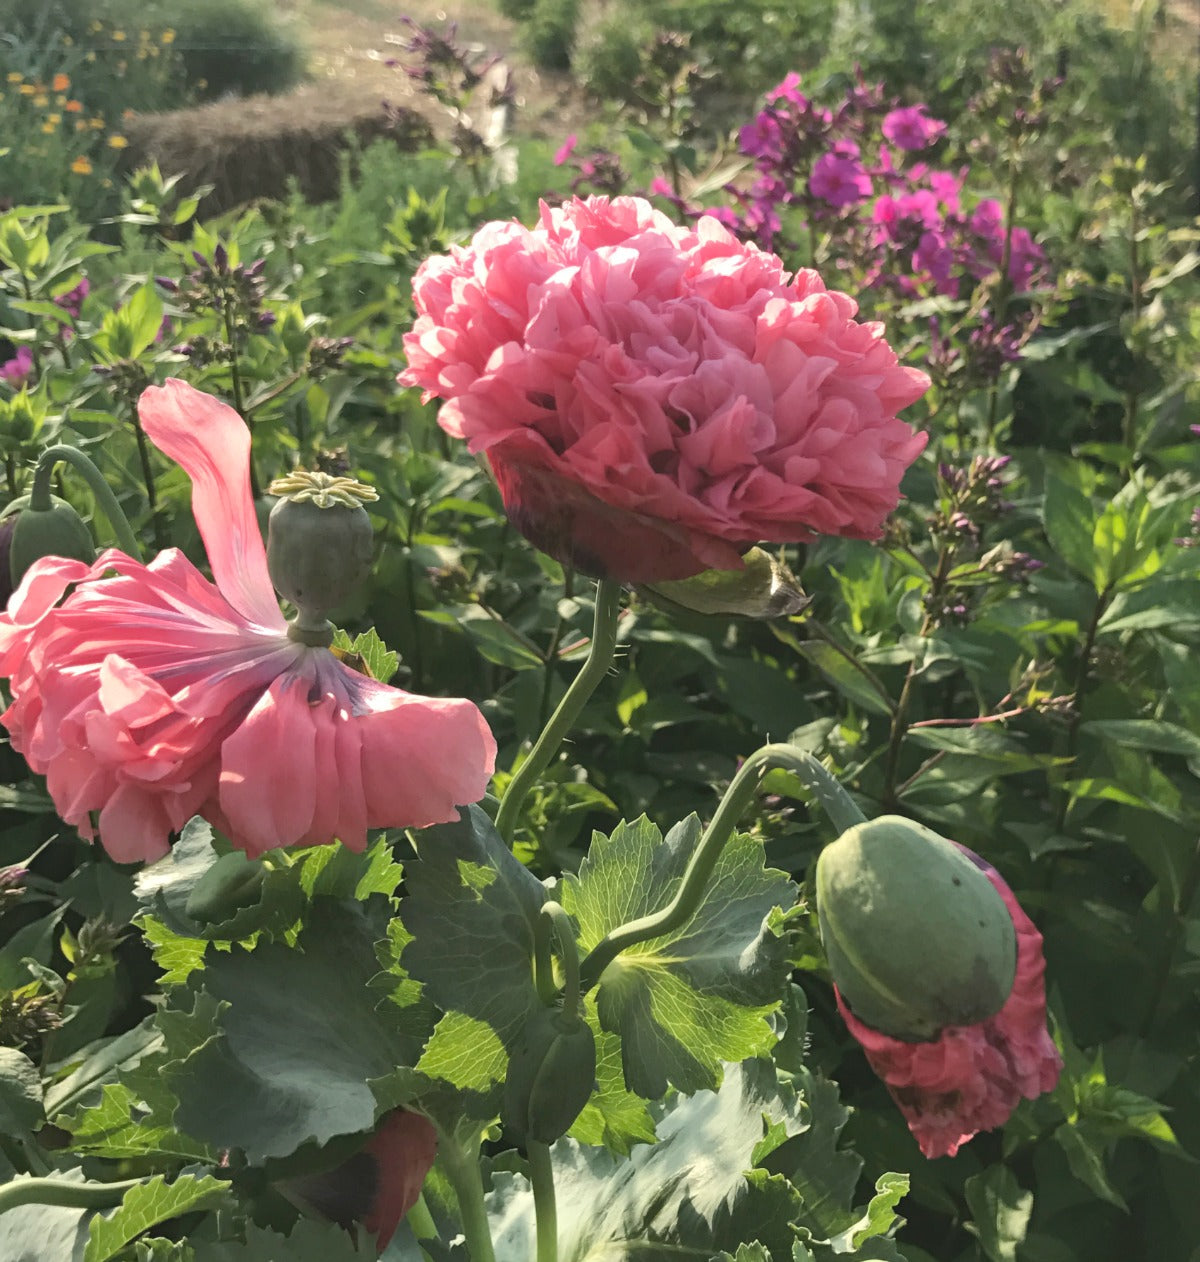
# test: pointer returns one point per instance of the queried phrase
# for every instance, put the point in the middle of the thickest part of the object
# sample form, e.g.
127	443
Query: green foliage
233	46
549	32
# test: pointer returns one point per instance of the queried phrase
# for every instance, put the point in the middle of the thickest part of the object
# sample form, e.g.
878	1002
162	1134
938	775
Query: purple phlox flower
72	301
565	150
788	90
935	257
19	369
838	180
911	128
762	139
946	187
1025	256
1195	430
987	219
733	221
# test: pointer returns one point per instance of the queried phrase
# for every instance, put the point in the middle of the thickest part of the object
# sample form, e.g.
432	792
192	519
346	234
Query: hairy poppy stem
838	805
541	1177
599	659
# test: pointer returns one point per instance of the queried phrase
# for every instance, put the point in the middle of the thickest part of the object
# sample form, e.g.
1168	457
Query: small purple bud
165	282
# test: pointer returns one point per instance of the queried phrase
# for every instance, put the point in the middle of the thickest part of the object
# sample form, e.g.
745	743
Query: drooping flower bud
551	1075
916	935
319	543
56	531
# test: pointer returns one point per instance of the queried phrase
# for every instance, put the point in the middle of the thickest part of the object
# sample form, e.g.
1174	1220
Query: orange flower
61	82
81	166
74	107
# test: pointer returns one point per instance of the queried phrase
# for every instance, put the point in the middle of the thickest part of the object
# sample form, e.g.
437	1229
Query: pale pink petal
211	441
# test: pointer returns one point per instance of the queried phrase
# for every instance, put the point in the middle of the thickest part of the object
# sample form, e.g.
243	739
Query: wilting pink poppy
970	1078
149	695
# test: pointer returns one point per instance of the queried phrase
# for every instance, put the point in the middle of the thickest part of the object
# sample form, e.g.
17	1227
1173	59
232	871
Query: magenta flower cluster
848	169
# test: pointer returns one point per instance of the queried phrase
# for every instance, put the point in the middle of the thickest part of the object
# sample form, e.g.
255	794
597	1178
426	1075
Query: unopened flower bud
57	531
551	1075
916	935
319	542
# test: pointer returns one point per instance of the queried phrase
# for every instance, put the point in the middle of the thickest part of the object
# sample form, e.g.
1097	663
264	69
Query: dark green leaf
1001	1209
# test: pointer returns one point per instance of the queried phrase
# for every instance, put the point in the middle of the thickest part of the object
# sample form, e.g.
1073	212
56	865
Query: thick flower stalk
148	694
969	1077
655	399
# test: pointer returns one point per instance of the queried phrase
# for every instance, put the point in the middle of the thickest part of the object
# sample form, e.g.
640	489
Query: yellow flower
117	142
41	100
118	36
81	166
14	76
80	125
167	37
47	127
89	57
95	27
96	124
27	89
61	82
54	118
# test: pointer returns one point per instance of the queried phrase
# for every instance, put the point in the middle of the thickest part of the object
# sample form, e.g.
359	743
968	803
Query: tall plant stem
541	1177
462	1169
599	659
838	805
421	1221
1132	395
1003	286
160	539
61	1192
39	498
239	395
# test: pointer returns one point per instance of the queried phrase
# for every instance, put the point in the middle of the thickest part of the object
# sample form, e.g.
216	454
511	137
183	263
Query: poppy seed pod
319	541
916	935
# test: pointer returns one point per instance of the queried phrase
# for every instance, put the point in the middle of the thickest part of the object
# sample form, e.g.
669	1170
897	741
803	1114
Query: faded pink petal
655	399
146	694
971	1078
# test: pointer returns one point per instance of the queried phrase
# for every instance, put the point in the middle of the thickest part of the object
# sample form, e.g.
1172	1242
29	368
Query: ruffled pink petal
211	441
971	1078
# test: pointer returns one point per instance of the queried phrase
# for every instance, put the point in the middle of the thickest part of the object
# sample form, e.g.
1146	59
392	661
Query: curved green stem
604	641
462	1169
421	1220
541	1177
61	1192
838	804
39	498
553	916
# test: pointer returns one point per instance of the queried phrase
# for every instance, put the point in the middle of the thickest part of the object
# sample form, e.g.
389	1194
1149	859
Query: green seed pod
57	531
319	541
916	936
551	1076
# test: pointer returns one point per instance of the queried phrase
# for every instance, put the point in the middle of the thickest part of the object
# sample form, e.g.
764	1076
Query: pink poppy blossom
19	369
150	695
655	398
912	128
971	1078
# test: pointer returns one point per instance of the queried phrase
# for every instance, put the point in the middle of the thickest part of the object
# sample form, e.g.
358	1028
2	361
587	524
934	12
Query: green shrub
233	47
549	33
608	54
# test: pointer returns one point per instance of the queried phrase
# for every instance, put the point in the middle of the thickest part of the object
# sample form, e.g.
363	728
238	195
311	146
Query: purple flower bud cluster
235	293
326	355
72	301
599	171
